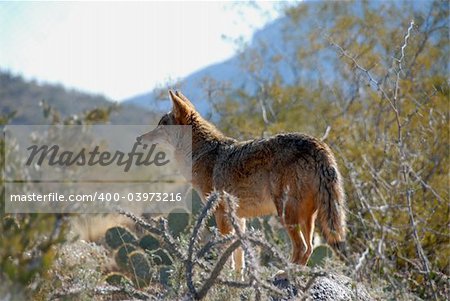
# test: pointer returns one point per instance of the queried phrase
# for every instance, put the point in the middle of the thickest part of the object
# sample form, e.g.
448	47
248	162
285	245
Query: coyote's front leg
225	227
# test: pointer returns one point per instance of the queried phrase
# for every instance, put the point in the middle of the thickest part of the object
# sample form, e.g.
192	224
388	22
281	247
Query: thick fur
292	175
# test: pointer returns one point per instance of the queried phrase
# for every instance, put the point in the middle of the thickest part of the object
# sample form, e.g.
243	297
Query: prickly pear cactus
197	203
164	274
117	279
149	243
178	220
319	255
122	253
139	267
160	257
117	236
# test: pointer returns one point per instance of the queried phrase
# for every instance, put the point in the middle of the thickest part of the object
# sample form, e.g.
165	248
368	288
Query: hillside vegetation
23	100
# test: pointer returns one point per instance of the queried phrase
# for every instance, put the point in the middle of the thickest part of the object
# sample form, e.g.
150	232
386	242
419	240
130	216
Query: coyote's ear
186	100
180	107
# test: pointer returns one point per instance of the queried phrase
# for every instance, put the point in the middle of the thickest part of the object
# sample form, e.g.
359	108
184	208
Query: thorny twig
249	252
405	167
369	75
208	209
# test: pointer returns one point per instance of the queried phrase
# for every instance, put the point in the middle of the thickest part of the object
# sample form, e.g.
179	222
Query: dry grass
92	227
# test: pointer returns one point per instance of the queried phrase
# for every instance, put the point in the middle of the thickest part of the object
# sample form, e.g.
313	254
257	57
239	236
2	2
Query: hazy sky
120	49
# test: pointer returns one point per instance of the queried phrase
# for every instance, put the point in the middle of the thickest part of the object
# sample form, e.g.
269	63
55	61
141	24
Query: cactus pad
149	243
117	236
140	269
178	220
122	253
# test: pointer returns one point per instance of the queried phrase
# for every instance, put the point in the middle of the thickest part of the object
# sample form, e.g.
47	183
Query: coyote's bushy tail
331	202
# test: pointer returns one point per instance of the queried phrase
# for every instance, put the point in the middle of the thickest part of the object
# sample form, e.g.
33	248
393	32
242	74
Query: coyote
292	175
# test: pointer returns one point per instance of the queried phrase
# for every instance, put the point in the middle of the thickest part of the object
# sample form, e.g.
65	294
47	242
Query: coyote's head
181	114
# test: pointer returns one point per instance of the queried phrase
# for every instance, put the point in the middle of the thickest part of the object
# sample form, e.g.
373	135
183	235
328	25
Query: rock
334	287
329	287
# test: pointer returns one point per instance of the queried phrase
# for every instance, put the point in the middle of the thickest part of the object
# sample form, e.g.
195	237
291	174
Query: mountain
24	98
224	72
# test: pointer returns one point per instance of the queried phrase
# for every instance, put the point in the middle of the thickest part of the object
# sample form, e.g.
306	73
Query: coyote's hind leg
307	219
298	242
288	211
307	229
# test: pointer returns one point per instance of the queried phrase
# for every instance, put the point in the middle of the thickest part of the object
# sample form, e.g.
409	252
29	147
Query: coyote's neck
205	136
206	139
